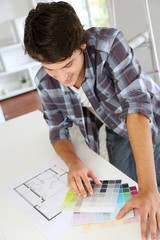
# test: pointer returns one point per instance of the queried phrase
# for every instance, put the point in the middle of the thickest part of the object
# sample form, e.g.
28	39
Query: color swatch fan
104	198
125	193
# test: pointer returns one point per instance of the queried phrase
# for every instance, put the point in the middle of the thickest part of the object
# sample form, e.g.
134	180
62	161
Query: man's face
69	72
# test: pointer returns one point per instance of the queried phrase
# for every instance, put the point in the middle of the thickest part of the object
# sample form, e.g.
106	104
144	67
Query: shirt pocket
106	92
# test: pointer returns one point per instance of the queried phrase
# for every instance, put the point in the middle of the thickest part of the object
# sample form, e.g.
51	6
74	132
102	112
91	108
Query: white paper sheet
39	195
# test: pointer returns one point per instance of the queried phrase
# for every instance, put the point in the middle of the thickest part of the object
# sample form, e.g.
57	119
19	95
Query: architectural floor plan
39	194
43	191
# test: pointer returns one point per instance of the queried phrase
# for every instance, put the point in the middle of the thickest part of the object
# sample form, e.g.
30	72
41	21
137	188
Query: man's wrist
147	186
73	161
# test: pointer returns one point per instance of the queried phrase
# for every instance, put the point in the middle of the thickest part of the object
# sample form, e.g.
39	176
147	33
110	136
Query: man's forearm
65	149
141	142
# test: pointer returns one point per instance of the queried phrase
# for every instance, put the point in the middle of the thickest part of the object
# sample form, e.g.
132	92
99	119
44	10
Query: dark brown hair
53	32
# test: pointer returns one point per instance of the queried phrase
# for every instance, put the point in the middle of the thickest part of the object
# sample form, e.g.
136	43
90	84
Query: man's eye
69	65
49	70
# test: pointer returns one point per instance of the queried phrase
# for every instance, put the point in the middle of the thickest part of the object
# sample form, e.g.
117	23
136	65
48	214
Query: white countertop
25	144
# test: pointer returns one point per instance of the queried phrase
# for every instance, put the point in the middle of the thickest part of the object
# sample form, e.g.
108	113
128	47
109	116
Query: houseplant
24	82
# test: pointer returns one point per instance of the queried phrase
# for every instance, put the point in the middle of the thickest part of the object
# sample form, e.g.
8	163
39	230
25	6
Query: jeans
121	156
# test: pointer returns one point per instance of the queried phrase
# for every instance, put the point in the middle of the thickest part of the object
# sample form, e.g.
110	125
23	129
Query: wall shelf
14	64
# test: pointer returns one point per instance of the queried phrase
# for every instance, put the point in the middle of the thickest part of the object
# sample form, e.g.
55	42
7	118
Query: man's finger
94	177
87	184
144	223
73	187
153	225
158	220
124	210
80	186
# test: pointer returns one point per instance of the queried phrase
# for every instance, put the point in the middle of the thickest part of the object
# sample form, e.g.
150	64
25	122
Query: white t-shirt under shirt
85	102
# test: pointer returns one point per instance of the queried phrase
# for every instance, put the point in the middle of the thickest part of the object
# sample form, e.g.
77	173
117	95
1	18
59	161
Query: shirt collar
89	68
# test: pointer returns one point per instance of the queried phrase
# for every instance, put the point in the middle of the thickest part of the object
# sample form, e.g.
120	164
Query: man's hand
148	203
78	172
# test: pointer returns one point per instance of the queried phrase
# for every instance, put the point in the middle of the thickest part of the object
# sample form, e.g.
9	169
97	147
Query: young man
92	78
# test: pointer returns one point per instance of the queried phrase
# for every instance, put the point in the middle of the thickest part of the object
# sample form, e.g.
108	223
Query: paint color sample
125	193
95	226
128	218
104	198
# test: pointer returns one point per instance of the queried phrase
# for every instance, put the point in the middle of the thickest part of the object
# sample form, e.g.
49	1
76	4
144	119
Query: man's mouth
69	80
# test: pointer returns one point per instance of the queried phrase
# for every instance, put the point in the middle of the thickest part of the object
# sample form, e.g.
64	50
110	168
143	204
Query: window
92	13
95	13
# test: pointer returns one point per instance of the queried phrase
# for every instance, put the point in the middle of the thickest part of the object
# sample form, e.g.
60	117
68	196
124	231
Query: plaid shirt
115	85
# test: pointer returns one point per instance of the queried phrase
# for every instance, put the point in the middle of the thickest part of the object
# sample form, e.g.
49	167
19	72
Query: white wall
10	9
131	19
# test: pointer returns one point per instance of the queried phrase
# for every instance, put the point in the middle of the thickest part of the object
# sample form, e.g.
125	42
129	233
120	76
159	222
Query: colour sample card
125	193
95	226
131	216
103	199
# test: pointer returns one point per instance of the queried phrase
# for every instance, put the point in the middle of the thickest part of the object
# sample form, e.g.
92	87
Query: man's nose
62	75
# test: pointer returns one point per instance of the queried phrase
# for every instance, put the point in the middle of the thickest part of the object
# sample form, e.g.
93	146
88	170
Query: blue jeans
121	156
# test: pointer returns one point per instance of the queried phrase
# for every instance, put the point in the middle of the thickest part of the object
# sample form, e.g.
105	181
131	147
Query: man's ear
83	46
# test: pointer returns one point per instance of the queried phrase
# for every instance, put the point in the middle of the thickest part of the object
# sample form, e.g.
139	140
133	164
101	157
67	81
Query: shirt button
89	93
112	125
